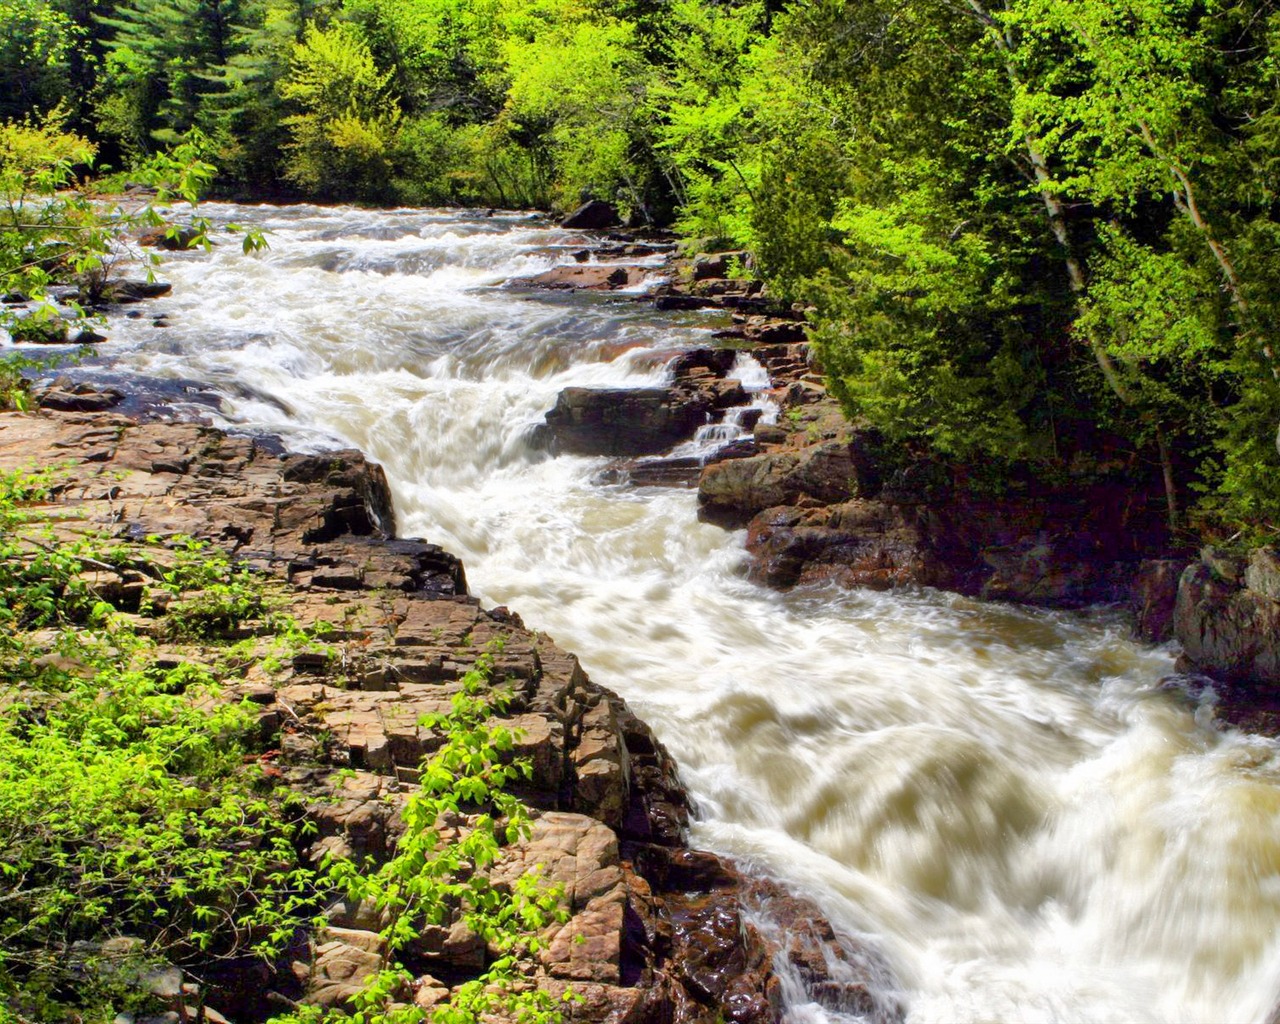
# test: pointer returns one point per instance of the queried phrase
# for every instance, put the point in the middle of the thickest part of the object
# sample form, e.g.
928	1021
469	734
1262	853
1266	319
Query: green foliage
1025	225
36	39
455	828
208	595
162	67
1022	225
126	803
42	228
707	114
577	88
130	803
345	127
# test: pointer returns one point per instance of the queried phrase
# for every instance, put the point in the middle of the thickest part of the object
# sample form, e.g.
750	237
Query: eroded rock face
730	493
624	421
644	421
657	932
824	501
1228	620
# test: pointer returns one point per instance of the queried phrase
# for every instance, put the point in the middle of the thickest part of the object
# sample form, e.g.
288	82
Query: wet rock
624	421
593	277
622	251
676	302
171	237
730	493
680	471
68	397
594	215
1262	575
720	264
1228	630
119	291
714	361
713	959
835	971
1153	596
858	543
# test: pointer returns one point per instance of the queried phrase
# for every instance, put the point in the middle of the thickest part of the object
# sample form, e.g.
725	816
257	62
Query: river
1009	803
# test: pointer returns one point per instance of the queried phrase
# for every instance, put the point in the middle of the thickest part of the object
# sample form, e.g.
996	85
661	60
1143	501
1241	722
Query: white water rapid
1006	802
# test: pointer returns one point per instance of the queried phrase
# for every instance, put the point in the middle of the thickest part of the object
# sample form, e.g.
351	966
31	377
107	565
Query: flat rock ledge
657	932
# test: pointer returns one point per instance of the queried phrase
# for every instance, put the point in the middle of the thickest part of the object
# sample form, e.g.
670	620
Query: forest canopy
1028	232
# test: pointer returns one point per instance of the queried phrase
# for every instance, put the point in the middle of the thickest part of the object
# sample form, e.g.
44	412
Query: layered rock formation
656	931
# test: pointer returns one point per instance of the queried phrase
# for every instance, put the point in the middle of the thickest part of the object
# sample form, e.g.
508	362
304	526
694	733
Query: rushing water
1007	802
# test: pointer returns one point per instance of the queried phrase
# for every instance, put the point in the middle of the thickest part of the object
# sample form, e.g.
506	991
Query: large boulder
592	216
1228	620
1153	594
121	291
624	421
858	543
731	492
719	264
172	238
588	277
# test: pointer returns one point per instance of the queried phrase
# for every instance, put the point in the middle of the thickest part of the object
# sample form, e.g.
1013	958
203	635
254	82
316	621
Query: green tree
37	40
344	129
164	59
578	90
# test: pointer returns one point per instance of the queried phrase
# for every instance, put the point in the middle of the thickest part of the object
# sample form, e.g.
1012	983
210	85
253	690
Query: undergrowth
137	825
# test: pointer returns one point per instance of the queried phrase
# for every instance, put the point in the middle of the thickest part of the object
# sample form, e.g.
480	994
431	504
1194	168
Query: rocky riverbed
823	500
1011	806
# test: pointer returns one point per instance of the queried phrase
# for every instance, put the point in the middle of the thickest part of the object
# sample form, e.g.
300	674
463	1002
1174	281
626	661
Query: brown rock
342	964
1227	630
593	215
1262	575
624	421
731	492
590	277
719	264
171	237
1153	595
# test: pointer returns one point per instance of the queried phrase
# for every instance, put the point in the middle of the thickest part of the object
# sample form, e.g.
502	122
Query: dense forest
1032	232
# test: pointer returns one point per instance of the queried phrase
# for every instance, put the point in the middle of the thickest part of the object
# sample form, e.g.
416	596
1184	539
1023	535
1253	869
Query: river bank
1015	806
657	931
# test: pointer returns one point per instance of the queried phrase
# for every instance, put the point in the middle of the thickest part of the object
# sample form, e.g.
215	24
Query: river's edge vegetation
144	835
1036	234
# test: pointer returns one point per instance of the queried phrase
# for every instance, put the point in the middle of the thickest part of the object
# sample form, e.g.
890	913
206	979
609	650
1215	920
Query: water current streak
1005	800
